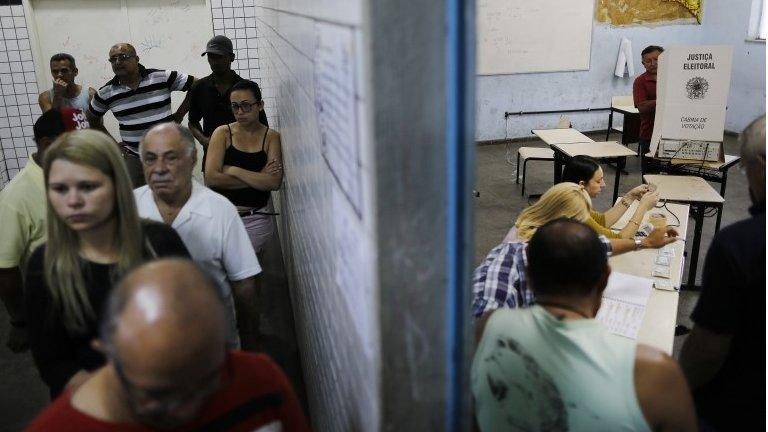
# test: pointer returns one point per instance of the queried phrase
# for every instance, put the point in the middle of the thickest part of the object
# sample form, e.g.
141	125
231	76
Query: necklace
564	307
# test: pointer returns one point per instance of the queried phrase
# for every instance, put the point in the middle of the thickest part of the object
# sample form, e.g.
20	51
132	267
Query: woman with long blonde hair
499	281
94	236
563	200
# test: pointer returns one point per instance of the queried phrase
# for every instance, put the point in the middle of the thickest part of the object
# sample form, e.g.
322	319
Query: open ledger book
624	301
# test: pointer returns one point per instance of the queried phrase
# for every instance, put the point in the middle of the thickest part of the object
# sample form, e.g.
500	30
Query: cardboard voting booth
691	97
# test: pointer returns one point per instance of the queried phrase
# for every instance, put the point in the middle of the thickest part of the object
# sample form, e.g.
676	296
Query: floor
500	201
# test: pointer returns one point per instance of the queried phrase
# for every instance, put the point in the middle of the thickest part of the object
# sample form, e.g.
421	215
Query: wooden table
658	327
610	151
561	136
701	196
711	171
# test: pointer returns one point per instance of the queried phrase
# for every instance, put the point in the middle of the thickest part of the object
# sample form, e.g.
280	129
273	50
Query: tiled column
18	91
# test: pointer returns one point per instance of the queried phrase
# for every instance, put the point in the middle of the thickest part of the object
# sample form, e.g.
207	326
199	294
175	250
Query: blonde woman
500	280
94	236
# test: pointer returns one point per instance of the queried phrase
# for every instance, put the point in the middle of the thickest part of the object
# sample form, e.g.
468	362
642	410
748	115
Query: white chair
538	153
531	154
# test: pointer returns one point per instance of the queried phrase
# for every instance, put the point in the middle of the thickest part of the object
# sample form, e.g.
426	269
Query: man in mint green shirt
553	367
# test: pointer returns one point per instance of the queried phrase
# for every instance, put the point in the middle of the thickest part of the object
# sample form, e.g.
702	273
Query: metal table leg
620	164
699	216
558	165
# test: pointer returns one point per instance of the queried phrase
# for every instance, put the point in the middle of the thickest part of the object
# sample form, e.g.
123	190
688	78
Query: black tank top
247	197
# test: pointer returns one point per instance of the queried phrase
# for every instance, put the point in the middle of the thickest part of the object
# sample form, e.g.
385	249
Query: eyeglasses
120	57
245	106
169	400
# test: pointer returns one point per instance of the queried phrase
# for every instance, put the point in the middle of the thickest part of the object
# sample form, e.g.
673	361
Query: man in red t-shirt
644	93
164	335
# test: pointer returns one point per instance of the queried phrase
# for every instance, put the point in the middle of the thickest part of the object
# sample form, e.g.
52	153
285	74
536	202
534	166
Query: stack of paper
624	302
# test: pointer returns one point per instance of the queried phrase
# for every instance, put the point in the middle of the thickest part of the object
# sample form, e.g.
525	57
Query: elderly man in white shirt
207	222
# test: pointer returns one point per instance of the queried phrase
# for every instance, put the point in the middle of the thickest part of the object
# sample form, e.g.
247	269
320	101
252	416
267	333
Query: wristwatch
638	244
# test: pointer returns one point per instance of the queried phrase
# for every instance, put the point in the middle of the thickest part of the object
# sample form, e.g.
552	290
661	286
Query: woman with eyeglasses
587	173
244	162
94	236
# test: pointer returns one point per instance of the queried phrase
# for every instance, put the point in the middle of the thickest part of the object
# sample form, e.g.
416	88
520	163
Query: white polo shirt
212	231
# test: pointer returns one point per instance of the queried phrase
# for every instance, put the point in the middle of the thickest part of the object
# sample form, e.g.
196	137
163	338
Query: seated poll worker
22	212
500	280
553	367
644	94
164	335
724	356
65	93
586	172
139	98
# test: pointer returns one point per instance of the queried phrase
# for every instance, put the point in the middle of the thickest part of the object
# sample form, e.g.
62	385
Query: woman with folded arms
245	163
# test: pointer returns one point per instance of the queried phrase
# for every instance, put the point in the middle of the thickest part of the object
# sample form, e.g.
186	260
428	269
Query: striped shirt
140	109
500	281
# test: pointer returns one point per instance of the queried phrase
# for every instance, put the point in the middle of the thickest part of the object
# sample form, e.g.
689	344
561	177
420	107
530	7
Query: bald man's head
165	334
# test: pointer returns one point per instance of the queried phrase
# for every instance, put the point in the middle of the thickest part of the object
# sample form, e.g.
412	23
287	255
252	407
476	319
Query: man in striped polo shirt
139	98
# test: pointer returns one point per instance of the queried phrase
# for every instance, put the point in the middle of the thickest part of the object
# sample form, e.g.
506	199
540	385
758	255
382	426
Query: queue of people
91	222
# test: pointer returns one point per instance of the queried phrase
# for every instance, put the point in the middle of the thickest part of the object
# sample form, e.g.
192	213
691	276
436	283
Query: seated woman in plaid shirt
500	280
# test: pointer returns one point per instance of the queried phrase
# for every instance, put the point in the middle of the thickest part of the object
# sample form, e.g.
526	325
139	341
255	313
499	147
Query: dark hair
49	125
253	88
565	258
580	168
64	56
651	48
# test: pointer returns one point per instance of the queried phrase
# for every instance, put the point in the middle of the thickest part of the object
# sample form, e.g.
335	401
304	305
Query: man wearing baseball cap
209	97
22	212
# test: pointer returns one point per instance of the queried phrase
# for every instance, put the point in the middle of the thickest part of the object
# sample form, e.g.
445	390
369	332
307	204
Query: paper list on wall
336	107
624	301
353	267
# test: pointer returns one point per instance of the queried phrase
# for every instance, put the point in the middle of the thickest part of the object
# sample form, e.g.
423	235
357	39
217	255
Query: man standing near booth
644	94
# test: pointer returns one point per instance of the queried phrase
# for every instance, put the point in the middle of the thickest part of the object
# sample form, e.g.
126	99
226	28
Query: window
758	21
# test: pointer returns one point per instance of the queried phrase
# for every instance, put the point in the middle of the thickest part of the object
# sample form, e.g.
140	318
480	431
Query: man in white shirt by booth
207	222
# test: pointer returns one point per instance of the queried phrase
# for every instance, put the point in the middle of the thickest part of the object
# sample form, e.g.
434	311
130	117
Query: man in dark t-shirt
210	95
724	356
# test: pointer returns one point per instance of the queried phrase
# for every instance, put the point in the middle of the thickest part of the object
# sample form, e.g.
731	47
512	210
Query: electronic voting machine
691	96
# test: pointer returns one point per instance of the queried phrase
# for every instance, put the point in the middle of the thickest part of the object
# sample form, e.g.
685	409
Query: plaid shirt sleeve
500	280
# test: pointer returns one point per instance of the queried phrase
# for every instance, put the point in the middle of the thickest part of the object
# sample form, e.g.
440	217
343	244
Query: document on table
624	301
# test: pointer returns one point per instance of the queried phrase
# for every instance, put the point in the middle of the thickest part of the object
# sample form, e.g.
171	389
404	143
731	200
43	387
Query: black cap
220	45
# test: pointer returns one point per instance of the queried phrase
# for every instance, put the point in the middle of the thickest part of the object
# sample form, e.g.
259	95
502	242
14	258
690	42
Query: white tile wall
340	375
236	19
18	93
